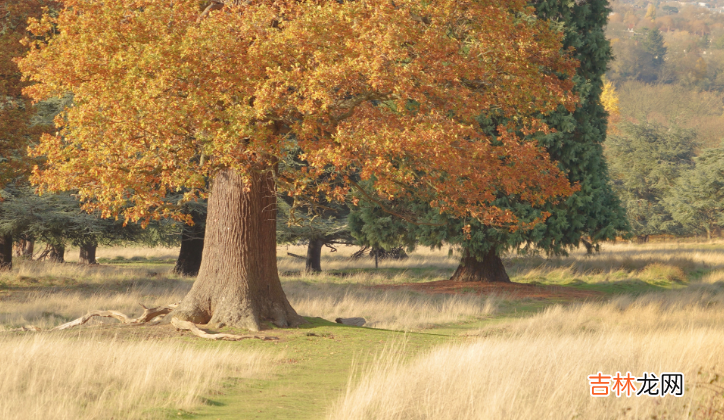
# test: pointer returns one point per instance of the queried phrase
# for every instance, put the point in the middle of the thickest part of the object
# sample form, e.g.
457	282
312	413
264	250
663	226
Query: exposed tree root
190	326
148	315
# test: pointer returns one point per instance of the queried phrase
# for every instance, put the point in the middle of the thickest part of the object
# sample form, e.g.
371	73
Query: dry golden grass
538	367
129	252
396	310
47	376
340	260
616	262
122	288
533	367
39	273
46	309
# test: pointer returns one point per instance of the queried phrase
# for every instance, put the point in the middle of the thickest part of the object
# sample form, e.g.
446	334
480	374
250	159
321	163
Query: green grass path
318	358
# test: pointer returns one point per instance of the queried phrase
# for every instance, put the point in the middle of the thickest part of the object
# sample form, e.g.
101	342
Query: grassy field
427	351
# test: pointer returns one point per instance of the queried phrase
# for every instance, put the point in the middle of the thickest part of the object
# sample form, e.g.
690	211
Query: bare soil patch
508	290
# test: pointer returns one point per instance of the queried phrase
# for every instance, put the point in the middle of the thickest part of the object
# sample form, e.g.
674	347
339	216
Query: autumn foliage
16	110
381	90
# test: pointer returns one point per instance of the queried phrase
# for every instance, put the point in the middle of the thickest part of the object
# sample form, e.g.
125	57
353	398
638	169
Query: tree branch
387	210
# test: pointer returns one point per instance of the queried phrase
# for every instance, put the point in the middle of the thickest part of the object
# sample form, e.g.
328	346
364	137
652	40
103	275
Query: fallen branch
296	256
190	326
147	315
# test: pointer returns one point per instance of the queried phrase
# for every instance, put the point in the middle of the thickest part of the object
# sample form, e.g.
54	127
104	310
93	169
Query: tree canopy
389	91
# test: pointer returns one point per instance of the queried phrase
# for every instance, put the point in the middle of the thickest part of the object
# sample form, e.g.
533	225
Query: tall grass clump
50	377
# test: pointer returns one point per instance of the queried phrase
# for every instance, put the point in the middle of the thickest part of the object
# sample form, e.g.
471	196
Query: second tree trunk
88	254
57	254
192	248
6	252
489	270
314	255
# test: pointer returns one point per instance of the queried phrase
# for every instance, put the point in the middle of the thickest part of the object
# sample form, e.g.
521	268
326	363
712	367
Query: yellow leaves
362	87
609	97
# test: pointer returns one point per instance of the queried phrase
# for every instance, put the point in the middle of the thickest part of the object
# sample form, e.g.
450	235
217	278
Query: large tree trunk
6	252
314	255
238	282
489	270
88	254
57	253
192	248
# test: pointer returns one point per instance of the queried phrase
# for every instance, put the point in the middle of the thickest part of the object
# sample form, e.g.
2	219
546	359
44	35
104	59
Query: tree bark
57	254
25	248
314	255
88	254
489	270
238	282
6	252
28	249
192	248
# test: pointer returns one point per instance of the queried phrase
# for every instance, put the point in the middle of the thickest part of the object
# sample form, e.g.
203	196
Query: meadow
428	350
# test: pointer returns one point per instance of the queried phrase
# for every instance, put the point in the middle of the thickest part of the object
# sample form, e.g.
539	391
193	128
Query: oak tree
378	89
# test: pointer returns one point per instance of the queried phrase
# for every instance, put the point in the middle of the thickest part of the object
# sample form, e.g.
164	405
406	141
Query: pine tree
646	161
696	200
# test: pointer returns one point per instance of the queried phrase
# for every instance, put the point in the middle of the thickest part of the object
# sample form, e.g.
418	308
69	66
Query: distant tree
670	9
610	100
640	58
317	226
381	232
646	160
651	12
652	42
56	220
696	200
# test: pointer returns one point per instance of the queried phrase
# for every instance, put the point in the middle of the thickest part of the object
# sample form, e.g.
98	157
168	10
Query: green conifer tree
646	161
696	200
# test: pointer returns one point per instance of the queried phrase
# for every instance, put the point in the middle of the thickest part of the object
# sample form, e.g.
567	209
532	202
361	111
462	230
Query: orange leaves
16	110
385	91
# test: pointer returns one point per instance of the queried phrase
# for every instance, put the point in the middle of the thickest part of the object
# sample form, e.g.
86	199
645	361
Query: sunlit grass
47	376
537	367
